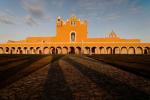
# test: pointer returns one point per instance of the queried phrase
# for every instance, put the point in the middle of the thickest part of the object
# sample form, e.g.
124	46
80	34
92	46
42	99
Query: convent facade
71	38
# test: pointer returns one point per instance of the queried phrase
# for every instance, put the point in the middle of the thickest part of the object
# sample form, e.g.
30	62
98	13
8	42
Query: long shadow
116	89
5	75
141	71
11	61
138	59
56	87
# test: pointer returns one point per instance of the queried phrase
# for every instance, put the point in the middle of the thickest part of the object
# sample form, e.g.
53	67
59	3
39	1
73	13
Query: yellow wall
64	29
82	43
80	28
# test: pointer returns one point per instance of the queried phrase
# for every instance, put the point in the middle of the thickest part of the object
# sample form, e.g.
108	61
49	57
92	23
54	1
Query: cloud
34	7
107	10
30	21
6	20
6	17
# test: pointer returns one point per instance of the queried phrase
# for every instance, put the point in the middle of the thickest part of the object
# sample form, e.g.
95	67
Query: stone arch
52	50
58	50
32	50
116	50
1	50
19	50
86	50
65	50
7	50
94	50
131	50
38	50
124	50
72	50
78	50
109	50
102	50
13	50
25	50
139	50
46	50
146	50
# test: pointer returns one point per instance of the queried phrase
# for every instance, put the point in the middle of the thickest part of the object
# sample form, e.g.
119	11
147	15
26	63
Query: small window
73	23
72	37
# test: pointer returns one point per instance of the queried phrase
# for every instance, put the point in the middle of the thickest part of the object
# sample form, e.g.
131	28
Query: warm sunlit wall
64	29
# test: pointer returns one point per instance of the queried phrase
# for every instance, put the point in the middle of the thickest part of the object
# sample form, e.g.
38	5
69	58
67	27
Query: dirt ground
75	77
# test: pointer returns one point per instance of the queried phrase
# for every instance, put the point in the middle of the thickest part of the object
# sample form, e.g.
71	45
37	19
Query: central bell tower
72	30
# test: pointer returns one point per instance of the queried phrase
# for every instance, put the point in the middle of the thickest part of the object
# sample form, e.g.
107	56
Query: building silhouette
71	38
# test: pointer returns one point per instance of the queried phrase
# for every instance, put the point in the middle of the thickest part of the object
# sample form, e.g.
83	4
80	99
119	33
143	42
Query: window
73	23
73	37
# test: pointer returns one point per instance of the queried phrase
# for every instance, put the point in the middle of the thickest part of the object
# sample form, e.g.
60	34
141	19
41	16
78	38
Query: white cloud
30	21
6	20
6	17
34	7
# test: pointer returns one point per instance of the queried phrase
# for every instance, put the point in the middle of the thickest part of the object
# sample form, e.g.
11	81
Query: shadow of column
56	87
115	89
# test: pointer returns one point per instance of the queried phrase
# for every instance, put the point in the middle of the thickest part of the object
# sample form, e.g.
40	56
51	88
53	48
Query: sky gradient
23	18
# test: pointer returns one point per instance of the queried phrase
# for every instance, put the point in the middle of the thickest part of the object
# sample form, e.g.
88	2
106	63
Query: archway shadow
115	89
56	87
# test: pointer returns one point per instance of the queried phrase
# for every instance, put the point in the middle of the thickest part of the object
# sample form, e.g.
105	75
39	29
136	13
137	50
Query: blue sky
22	18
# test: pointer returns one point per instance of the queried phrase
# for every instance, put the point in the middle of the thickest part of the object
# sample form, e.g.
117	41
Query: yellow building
71	38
